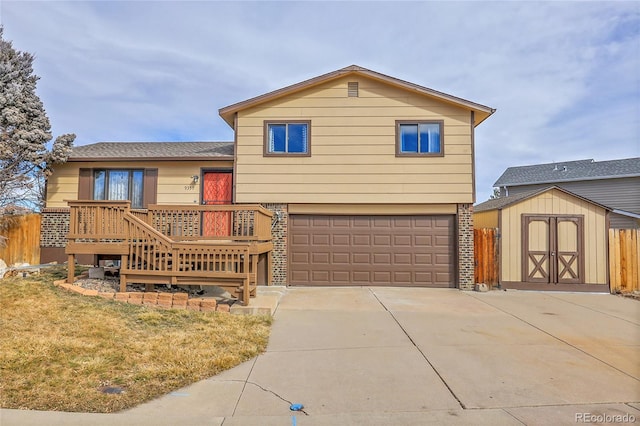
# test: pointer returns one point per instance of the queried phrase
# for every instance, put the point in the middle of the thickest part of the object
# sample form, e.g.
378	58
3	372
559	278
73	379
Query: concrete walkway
393	356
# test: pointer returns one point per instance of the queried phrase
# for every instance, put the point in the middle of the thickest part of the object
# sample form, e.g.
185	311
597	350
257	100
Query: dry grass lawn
59	350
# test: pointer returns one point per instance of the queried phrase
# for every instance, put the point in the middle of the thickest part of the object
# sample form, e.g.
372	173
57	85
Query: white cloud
564	76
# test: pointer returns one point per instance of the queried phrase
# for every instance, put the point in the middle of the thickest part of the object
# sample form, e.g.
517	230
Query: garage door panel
300	276
442	260
441	241
340	239
402	277
372	250
361	259
424	222
423	259
300	257
340	258
381	277
423	240
320	258
443	276
382	240
402	259
320	276
402	240
382	258
300	239
340	277
381	222
340	222
361	240
424	276
320	222
320	239
361	277
361	222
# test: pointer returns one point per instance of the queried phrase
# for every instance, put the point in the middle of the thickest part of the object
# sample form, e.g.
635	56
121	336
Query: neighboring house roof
482	112
569	171
127	151
502	202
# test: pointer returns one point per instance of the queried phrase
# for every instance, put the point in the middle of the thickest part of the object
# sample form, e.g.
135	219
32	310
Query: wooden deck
176	245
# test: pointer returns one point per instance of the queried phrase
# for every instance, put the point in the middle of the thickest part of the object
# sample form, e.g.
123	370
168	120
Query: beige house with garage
369	179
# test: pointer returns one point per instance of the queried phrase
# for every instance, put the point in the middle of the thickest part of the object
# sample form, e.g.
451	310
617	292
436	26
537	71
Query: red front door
217	188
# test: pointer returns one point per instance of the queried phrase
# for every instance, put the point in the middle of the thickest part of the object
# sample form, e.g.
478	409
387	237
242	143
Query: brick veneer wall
54	227
465	247
279	233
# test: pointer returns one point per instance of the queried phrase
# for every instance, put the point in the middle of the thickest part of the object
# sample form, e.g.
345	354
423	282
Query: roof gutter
122	159
626	213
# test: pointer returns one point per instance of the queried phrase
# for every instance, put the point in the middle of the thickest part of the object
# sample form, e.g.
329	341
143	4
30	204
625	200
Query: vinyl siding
174	179
550	203
619	193
353	149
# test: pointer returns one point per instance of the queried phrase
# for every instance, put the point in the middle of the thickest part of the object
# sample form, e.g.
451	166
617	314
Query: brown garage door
371	250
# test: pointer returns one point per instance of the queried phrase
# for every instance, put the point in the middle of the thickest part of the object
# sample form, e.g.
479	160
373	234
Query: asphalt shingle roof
498	203
152	150
569	171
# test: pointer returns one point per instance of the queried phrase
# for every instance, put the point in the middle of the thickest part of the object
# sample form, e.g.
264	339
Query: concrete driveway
394	356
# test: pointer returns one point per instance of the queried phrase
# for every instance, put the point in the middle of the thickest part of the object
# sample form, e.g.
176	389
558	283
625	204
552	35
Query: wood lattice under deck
164	244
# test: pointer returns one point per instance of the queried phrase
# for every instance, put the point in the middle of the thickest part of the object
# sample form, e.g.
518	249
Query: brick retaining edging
148	298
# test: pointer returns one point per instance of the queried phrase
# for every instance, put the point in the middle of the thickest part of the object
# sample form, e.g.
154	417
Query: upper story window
287	138
419	138
119	184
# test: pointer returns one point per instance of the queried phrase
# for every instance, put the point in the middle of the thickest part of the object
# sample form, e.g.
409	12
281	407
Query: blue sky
563	76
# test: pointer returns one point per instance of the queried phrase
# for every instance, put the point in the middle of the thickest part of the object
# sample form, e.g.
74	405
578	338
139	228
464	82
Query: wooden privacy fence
624	253
485	251
21	242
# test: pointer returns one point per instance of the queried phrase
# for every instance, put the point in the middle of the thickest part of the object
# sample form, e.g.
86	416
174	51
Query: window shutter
85	181
150	191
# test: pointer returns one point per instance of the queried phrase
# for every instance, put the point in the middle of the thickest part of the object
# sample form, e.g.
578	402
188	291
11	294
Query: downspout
235	158
473	158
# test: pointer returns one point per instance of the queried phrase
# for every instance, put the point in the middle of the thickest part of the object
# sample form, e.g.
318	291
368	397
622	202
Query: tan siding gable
353	149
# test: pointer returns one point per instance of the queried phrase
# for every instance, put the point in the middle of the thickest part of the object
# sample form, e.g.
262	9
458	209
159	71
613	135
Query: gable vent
352	89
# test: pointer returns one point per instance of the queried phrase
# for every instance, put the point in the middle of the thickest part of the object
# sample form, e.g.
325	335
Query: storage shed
549	239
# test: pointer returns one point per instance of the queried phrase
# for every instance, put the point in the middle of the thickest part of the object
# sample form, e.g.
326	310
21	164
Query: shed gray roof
120	151
499	203
569	171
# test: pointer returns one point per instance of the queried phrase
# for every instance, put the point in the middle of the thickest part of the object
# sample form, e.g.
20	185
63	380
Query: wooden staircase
150	257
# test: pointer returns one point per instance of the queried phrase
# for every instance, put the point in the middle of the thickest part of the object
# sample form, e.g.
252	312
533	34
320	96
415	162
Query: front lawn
63	351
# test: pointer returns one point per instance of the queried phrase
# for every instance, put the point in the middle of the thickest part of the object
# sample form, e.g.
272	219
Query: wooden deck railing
202	245
97	220
219	222
103	221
